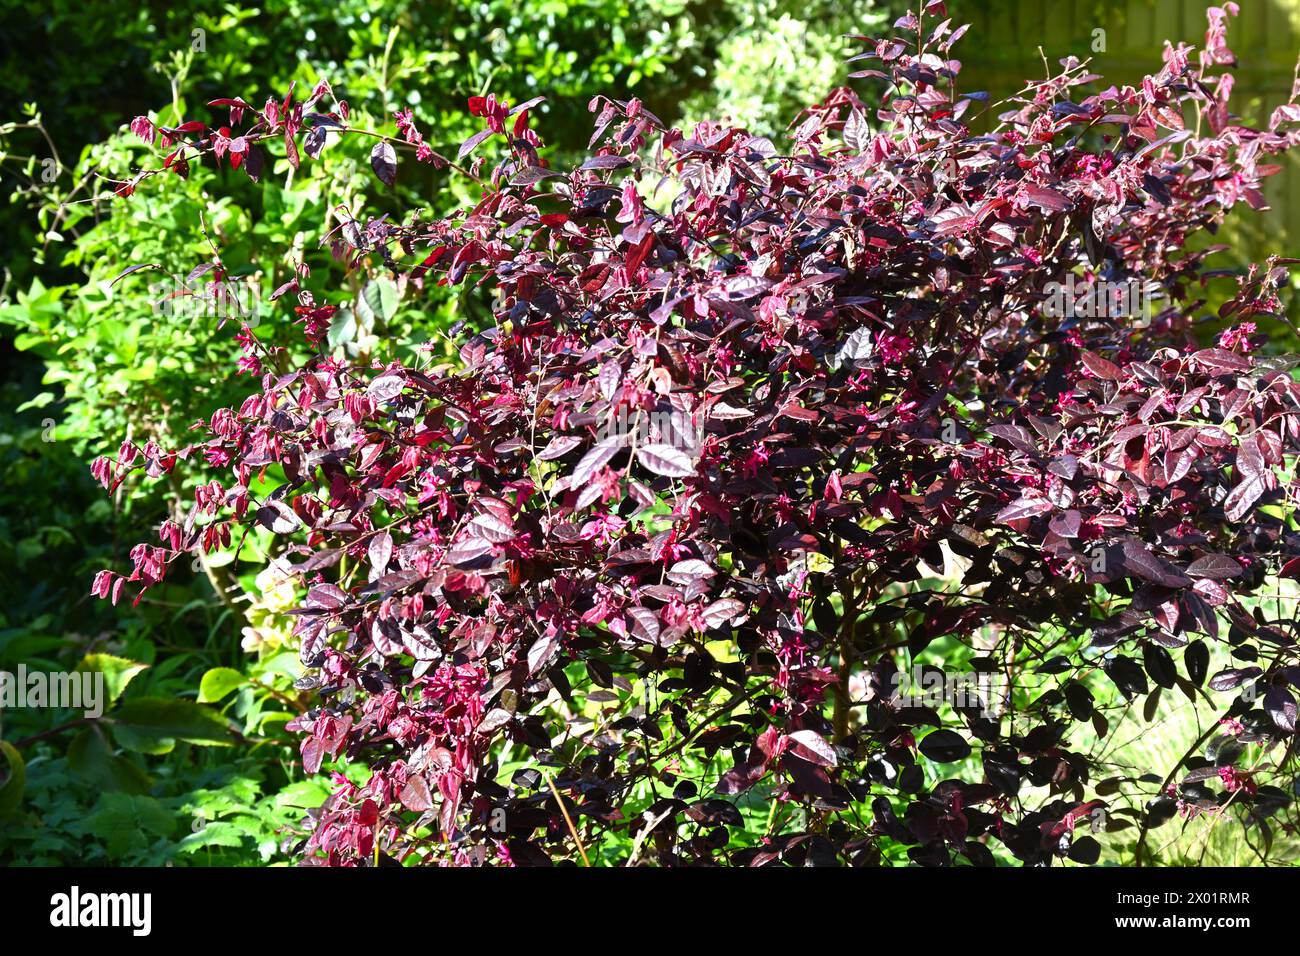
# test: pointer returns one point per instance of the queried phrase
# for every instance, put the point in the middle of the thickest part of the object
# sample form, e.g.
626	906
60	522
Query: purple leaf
470	144
666	460
1024	508
383	160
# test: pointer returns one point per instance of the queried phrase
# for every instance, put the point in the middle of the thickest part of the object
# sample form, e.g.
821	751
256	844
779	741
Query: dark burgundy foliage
855	325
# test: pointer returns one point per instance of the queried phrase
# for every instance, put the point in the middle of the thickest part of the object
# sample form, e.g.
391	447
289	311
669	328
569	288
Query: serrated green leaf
217	833
125	821
117	671
154	724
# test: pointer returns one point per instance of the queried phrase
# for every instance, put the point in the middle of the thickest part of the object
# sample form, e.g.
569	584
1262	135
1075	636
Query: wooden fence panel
1002	51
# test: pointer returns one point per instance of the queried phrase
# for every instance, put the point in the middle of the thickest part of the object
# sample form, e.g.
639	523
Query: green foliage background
191	764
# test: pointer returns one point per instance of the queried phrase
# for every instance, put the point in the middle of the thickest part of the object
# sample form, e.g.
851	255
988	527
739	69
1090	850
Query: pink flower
602	528
757	457
1237	780
143	127
1232	726
1237	336
893	347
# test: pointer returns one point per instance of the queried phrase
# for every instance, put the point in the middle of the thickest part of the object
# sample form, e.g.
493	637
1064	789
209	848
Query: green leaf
217	833
129	738
90	756
217	683
378	302
154	724
305	794
343	328
11	791
37	401
117	671
123	821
